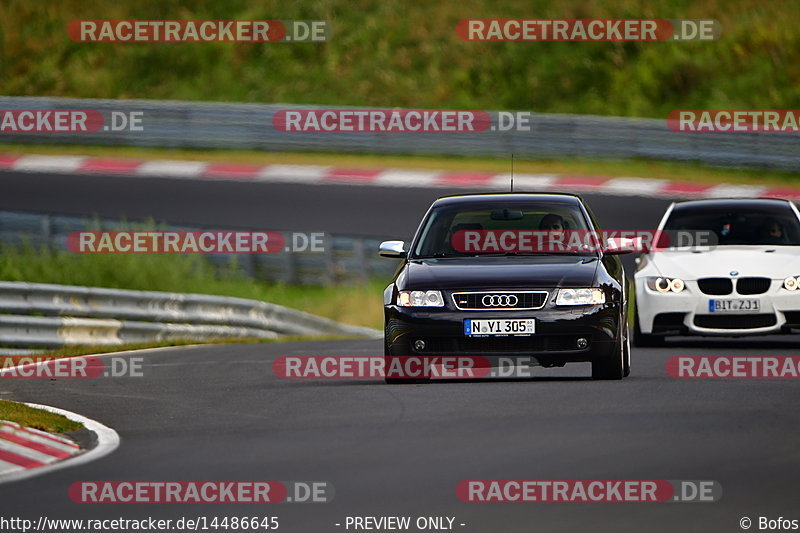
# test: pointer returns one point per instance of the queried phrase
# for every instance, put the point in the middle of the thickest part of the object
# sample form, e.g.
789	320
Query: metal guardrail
204	125
345	258
39	315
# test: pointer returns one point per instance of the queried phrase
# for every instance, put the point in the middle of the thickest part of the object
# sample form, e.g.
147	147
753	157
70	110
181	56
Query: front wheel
627	352
387	357
390	355
618	364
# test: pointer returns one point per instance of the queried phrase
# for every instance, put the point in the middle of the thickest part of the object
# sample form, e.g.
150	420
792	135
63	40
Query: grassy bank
36	418
359	304
407	54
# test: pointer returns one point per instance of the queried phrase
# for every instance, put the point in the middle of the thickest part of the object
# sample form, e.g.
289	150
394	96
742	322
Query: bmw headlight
420	299
666	284
580	297
791	283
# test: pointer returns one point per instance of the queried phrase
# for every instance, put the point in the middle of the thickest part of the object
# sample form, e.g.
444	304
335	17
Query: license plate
741	305
501	326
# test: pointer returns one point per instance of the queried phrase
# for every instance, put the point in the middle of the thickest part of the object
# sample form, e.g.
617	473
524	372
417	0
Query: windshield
443	227
746	225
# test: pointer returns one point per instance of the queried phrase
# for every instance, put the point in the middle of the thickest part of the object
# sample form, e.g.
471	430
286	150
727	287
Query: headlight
580	297
791	283
666	284
420	299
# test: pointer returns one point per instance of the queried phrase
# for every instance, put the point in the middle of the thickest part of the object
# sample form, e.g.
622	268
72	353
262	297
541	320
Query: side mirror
392	249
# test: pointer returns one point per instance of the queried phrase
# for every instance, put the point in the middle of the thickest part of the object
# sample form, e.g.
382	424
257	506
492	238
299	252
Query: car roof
492	197
718	203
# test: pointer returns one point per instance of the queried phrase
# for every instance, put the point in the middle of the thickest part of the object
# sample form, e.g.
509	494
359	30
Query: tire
643	340
614	366
627	352
386	358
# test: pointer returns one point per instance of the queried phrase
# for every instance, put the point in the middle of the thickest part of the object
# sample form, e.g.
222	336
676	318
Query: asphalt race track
343	209
219	413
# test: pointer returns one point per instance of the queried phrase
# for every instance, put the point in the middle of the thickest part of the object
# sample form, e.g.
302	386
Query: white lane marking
635	186
406	178
524	182
49	163
730	191
294	173
172	169
107	441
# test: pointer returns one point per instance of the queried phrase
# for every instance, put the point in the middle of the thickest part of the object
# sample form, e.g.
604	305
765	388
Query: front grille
536	343
753	285
715	286
731	321
499	300
664	322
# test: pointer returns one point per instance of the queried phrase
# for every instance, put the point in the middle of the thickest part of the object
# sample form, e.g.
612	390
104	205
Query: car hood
500	272
774	262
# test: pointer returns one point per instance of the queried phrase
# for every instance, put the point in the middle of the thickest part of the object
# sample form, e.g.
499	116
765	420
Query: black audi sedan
479	281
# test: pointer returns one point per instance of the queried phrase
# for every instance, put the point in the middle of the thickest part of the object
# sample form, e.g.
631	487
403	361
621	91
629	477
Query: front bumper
687	312
553	344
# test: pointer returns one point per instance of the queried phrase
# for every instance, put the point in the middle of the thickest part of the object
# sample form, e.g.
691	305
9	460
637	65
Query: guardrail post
330	261
47	232
291	267
363	263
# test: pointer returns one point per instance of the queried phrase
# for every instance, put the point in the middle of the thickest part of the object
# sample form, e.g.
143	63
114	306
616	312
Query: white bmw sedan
736	273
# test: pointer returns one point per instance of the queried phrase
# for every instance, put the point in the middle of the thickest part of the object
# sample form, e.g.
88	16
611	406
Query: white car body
779	307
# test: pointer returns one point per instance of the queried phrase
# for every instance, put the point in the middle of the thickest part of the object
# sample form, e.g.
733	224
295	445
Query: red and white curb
27	452
24	448
383	177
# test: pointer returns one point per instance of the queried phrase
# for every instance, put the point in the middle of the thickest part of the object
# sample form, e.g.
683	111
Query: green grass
406	54
358	304
36	418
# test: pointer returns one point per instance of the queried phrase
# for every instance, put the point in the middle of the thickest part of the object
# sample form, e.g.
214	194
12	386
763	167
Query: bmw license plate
738	305
499	326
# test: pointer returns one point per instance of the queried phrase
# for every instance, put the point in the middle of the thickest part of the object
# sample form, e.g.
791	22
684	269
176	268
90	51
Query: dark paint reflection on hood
501	272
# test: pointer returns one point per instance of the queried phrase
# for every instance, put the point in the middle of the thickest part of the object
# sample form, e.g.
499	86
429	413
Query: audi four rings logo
499	300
